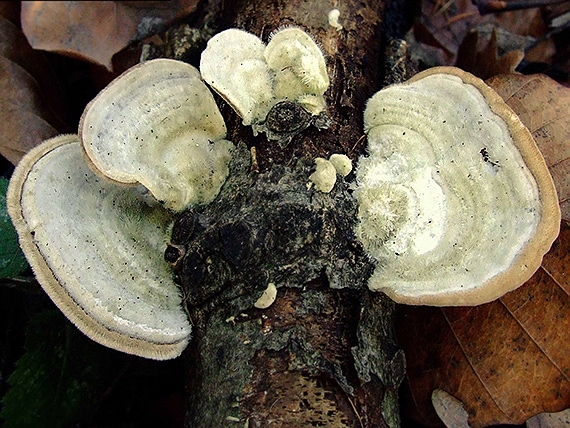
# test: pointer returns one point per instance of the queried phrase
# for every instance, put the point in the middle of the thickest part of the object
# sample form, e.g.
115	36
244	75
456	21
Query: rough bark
323	354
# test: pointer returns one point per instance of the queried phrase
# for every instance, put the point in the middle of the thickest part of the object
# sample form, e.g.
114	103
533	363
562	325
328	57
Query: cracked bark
323	354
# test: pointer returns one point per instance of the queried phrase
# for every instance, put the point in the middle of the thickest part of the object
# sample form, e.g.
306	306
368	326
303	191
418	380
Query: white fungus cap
158	125
455	200
253	77
97	250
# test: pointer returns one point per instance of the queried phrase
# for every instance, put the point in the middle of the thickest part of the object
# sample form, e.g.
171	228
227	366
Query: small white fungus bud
341	163
333	19
267	298
324	176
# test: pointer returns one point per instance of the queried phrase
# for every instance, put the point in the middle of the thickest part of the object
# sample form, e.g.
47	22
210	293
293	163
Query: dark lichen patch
266	228
272	228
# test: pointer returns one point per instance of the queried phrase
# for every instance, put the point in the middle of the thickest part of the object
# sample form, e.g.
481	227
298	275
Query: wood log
323	353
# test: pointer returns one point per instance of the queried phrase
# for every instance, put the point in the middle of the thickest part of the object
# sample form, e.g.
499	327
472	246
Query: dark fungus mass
268	228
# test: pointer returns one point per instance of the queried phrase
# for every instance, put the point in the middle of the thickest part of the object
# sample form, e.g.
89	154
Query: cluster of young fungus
324	177
253	77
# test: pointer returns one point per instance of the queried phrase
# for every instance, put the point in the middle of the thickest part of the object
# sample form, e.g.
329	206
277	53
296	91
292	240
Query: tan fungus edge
45	276
529	259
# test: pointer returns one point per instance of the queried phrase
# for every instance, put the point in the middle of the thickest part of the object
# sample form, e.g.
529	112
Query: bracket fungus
254	78
94	212
96	249
158	125
456	203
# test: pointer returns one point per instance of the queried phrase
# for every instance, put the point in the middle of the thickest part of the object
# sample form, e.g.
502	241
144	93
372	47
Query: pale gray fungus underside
267	228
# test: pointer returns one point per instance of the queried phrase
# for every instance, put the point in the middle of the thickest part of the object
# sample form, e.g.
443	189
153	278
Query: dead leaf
445	24
449	409
95	31
28	94
530	22
506	39
486	63
550	420
506	360
543	105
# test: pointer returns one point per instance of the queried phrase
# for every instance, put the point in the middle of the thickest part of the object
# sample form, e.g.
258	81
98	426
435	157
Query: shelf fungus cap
456	203
253	77
97	250
158	125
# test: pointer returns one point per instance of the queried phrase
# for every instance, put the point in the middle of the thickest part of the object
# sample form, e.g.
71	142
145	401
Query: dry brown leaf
444	24
27	95
543	105
550	420
486	63
95	31
449	409
506	360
